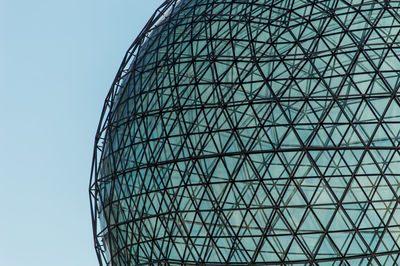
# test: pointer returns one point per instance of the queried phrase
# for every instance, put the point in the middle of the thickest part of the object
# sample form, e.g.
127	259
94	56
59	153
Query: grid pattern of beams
261	132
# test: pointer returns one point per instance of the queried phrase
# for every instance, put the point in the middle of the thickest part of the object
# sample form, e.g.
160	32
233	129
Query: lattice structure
244	132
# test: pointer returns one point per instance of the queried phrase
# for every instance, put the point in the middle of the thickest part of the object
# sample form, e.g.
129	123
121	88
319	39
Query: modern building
253	132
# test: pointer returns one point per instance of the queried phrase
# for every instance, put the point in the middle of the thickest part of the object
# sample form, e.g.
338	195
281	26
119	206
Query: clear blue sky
57	62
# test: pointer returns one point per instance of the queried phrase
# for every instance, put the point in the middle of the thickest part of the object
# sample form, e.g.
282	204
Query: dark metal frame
129	57
365	147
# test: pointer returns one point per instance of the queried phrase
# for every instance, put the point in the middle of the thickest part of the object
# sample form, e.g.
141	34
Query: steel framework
253	132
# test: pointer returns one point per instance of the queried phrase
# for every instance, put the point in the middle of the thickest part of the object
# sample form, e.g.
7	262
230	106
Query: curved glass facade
245	132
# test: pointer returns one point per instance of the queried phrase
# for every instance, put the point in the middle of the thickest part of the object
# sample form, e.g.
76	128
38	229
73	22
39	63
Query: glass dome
253	132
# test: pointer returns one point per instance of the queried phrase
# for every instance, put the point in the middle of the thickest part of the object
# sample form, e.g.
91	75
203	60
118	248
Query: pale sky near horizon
57	62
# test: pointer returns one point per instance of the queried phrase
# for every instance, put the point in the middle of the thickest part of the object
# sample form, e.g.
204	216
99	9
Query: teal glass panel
254	132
